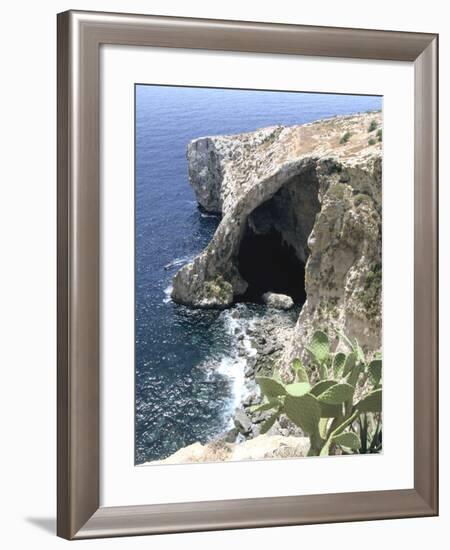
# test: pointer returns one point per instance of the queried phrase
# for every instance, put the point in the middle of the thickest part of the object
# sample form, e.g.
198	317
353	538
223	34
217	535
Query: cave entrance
268	263
274	244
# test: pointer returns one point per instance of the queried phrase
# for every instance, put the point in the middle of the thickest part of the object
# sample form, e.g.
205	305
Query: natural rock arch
316	196
283	205
274	244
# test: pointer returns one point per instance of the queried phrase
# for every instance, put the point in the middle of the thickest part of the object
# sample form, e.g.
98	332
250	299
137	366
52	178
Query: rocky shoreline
311	194
260	340
301	216
268	336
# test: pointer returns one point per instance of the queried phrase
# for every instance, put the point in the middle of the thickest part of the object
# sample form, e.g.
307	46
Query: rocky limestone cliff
309	198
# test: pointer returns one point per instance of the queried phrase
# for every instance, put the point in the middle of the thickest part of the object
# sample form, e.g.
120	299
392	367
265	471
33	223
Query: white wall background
28	268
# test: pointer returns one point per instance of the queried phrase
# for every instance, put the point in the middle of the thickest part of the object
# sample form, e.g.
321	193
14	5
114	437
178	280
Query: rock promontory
300	214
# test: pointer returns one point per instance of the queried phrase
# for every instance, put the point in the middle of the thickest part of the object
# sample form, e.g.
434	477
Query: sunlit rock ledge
263	446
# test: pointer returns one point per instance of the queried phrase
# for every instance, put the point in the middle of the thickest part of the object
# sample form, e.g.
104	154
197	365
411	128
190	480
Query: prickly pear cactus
334	412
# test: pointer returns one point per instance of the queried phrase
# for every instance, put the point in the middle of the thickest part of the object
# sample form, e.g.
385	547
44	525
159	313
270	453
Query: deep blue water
186	373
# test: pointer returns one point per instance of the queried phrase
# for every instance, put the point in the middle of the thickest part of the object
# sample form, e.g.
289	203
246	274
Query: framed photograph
247	274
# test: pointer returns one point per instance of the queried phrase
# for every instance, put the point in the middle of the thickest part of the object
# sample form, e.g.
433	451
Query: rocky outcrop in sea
316	188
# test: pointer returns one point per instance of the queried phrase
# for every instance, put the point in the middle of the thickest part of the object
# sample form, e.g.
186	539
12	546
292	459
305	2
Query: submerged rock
277	301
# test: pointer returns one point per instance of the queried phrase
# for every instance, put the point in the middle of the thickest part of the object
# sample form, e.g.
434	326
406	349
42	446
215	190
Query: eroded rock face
205	156
219	262
303	198
343	272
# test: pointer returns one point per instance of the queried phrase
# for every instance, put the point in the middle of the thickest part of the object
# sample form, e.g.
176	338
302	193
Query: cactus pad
266	406
268	423
349	364
347	439
375	371
300	371
321	386
371	403
298	388
270	387
320	346
304	411
338	364
330	411
353	376
337	394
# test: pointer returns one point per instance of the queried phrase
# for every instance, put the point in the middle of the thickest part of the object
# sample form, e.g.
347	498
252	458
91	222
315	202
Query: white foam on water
233	369
206	215
232	366
178	262
168	294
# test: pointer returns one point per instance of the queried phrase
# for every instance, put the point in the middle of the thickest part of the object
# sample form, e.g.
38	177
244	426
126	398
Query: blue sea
188	377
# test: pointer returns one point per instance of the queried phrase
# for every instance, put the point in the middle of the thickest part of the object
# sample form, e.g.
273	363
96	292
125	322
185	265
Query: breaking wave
232	364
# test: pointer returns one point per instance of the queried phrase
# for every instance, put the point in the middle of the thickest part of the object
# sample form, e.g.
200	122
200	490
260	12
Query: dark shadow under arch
273	249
